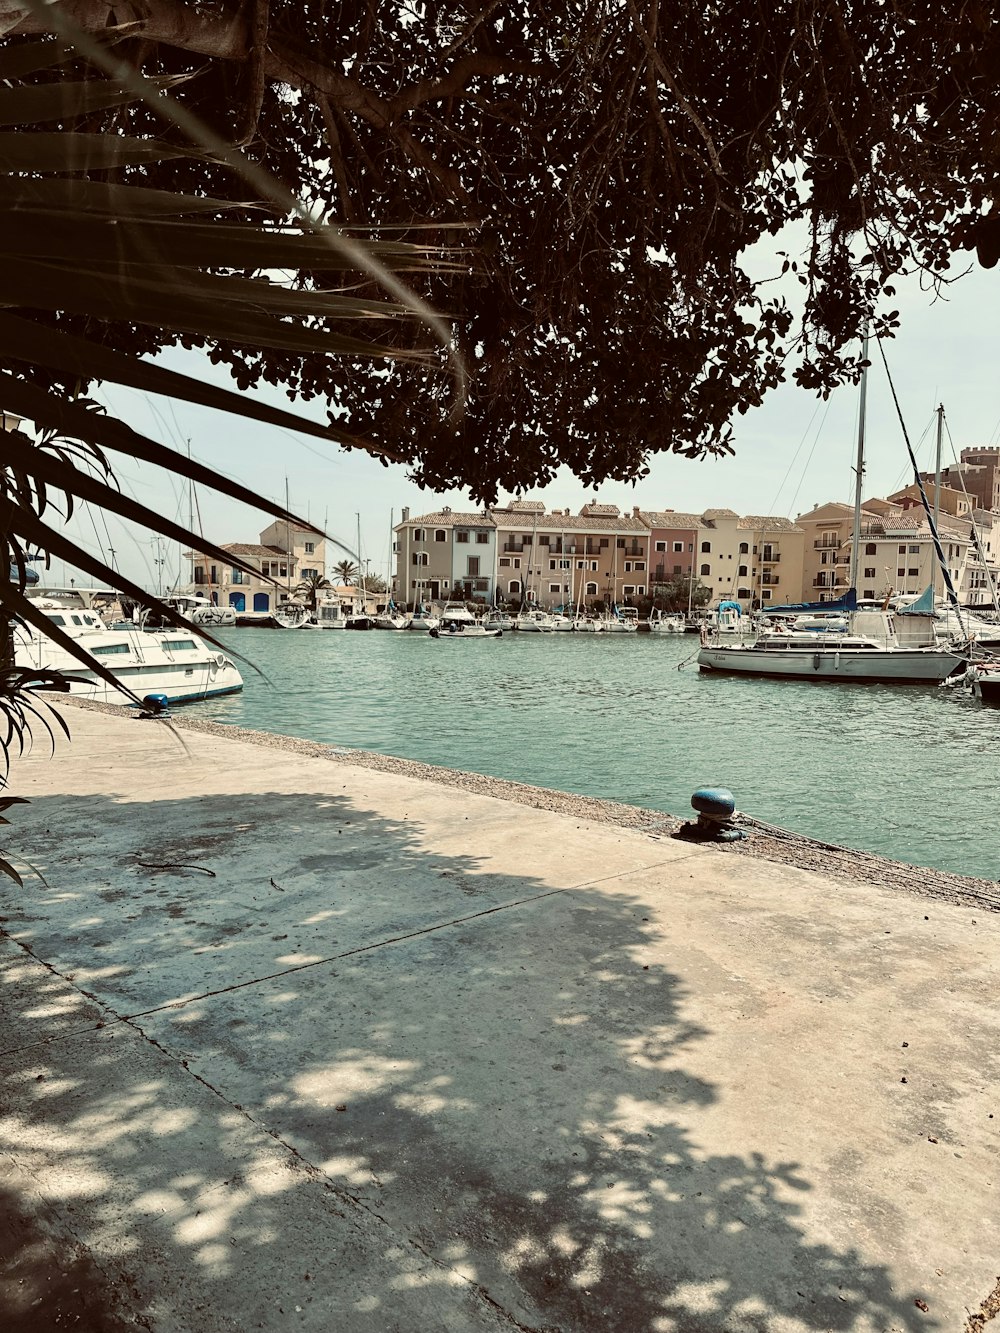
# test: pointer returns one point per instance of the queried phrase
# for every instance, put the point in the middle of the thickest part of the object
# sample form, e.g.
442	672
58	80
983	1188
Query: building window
310	573
552	564
706	548
555	587
742	572
902	551
459	537
900	573
640	566
591	590
420	557
869	593
238	576
628	567
261	601
641	589
620	543
662	546
871	548
677	569
505	562
419	534
744	550
473	570
628	590
912	573
869	573
310	548
678	546
913	550
593	566
517	562
199	574
705	569
482	538
743	593
513	586
766	595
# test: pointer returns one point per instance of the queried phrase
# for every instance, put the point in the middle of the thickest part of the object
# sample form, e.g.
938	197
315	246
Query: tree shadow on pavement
363	1078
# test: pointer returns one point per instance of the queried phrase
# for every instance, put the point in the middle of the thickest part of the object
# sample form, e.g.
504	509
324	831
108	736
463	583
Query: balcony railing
516	547
826	544
771	559
770	580
831	581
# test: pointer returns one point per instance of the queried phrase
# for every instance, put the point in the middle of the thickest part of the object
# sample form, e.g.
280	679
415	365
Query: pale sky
792	453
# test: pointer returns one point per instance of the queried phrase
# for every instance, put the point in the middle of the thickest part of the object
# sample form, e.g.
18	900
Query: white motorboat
423	620
620	622
587	625
660	623
330	615
173	662
561	624
497	619
458	630
291	616
534	622
391	620
456	613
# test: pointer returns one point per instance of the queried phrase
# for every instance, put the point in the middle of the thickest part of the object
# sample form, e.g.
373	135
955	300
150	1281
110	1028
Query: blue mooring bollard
155	705
716	807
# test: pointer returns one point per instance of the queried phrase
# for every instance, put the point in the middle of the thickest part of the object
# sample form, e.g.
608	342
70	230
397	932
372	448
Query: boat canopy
849	602
923	606
731	606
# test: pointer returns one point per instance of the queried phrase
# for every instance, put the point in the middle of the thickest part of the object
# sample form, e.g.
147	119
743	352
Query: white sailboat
872	646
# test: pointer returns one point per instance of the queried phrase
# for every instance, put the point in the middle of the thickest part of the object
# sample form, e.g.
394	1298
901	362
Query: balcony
770	580
826	544
831	581
516	547
770	559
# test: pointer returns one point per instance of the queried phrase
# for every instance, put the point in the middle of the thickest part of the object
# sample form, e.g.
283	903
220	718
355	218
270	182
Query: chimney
406	514
635	511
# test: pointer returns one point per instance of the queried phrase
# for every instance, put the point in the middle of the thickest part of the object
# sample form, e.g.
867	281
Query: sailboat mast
937	493
859	471
288	546
361	571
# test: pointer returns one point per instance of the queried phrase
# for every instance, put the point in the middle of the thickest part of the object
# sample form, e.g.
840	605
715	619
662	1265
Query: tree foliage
617	160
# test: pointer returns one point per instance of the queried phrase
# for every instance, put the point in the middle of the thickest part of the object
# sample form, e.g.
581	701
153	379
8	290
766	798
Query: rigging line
812	451
901	479
798	450
945	571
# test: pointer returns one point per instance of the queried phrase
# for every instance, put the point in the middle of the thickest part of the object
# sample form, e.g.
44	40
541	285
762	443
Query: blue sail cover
731	606
923	606
849	602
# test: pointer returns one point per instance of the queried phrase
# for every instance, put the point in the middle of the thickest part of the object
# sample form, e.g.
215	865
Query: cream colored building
896	554
285	556
754	559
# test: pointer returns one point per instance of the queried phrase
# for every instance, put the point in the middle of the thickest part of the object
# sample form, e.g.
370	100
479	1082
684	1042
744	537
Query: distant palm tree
347	571
312	586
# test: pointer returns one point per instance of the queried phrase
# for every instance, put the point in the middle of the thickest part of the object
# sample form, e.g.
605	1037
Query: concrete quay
290	1043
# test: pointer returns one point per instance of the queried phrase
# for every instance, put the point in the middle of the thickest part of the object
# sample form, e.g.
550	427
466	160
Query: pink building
673	542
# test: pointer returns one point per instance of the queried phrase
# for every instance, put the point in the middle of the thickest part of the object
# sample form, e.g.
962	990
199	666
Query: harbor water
908	771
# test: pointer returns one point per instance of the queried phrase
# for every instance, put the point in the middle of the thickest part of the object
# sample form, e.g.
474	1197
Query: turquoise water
909	771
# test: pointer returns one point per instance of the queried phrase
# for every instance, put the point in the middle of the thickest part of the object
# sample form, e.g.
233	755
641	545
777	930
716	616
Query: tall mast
288	545
361	570
937	495
859	471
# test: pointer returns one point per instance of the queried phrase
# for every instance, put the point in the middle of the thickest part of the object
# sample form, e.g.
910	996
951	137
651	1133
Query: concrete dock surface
289	1043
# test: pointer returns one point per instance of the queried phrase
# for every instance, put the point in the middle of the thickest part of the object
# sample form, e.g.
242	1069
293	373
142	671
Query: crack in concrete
302	967
988	1311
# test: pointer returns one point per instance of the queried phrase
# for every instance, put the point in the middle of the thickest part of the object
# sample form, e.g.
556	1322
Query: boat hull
917	665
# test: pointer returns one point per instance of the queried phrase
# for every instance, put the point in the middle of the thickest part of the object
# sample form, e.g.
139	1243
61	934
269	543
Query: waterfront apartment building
752	559
522	552
672	538
896	552
284	557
